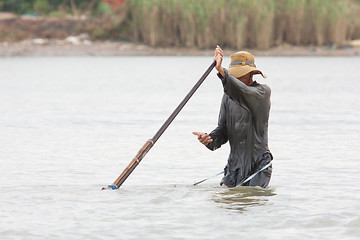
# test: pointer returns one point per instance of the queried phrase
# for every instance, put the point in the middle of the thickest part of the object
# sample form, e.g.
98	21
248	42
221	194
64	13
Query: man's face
246	78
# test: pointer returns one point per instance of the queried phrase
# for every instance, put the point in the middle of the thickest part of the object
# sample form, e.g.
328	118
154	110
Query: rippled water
69	126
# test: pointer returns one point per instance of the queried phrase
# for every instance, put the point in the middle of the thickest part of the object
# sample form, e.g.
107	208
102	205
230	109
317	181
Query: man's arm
219	137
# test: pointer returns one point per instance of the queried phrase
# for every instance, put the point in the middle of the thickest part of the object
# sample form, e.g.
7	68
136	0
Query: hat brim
241	70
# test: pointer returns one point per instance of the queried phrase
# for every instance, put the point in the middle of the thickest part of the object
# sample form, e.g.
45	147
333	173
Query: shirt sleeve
247	96
219	134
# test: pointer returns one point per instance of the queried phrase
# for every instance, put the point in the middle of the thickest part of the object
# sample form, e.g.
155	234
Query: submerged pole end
109	187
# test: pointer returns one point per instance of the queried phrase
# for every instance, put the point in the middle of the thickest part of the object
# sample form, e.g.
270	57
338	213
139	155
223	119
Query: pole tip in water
109	187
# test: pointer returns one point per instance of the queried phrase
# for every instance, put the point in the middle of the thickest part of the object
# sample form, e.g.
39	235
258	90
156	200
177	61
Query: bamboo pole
150	143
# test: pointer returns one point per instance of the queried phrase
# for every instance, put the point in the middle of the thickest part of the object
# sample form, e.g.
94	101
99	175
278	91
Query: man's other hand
204	138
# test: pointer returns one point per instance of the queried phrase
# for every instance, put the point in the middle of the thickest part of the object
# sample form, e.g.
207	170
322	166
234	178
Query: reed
295	21
242	23
339	20
201	24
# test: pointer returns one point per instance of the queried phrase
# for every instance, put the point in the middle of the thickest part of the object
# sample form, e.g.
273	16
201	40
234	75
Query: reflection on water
241	198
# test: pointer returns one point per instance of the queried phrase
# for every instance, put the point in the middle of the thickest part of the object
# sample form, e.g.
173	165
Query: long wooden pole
150	143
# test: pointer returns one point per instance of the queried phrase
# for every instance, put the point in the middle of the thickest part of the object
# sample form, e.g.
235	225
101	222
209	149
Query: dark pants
262	179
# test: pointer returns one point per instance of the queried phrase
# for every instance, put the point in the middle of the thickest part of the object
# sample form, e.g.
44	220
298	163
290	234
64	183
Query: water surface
69	126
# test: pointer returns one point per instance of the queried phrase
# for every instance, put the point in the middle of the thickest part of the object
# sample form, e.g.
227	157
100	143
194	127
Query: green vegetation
45	7
41	6
203	23
243	23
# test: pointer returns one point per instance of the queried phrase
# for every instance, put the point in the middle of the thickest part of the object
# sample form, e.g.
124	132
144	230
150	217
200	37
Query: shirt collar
254	84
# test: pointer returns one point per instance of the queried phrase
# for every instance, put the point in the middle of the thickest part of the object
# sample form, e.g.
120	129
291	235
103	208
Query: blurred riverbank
76	46
276	28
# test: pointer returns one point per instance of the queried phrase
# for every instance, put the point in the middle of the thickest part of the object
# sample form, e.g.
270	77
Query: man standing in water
243	121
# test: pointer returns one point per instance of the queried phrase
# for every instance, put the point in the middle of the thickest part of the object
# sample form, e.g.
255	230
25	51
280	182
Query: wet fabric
262	179
243	121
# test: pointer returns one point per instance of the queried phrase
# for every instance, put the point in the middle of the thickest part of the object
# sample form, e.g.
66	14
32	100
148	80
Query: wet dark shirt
243	121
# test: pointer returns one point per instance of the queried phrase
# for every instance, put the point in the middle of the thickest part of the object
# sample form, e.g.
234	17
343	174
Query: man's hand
218	57
204	138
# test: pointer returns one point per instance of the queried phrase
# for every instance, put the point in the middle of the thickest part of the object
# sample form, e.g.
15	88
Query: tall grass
204	23
242	23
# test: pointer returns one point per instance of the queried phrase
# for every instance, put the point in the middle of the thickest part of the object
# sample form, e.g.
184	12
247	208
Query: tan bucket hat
242	63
